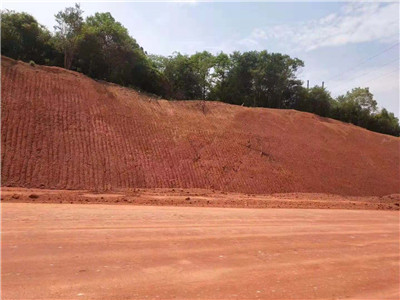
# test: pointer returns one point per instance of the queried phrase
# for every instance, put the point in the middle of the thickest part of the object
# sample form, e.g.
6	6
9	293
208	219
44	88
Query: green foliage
102	48
250	78
68	28
23	38
202	63
360	108
316	100
386	122
186	77
32	63
363	98
258	79
106	51
239	85
220	70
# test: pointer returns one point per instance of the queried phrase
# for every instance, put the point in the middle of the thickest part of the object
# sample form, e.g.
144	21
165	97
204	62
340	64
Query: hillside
63	130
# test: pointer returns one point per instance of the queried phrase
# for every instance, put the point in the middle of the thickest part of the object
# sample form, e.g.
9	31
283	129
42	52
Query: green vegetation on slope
102	48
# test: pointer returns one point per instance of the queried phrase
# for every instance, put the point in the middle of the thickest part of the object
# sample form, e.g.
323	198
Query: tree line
102	48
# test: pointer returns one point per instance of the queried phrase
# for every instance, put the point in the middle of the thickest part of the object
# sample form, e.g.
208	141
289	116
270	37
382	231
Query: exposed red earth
68	140
58	251
201	198
63	130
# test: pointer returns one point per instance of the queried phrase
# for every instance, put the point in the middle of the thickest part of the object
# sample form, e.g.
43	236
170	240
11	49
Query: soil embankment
63	130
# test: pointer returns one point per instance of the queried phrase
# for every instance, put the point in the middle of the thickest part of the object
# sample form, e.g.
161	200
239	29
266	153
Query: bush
32	63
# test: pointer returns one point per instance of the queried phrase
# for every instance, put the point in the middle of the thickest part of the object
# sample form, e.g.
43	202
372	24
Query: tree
359	107
386	122
276	79
106	51
361	97
260	79
158	61
22	37
68	28
202	63
356	107
316	100
239	82
183	80
218	74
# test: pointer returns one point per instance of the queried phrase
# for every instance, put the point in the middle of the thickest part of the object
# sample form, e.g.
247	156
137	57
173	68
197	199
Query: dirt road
121	251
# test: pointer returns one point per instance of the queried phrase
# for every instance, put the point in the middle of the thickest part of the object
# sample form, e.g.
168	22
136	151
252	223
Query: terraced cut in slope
63	130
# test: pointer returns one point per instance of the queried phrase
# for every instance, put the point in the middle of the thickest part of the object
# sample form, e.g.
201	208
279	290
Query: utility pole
308	84
322	84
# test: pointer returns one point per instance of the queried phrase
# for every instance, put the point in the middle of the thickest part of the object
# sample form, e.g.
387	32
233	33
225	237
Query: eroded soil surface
74	251
201	198
63	130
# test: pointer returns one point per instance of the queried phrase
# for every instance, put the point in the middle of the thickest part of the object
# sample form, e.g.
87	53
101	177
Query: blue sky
344	44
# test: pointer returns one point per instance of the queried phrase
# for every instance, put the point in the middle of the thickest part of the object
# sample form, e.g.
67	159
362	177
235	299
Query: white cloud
356	23
247	42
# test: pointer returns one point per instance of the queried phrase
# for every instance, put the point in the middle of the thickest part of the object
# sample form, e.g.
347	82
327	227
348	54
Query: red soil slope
62	130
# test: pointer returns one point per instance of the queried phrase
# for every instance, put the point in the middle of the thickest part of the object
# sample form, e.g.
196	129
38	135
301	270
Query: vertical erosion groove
62	130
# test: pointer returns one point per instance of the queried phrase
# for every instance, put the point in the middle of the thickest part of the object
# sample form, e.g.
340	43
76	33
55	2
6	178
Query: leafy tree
158	61
386	122
182	78
360	97
219	72
68	28
359	107
261	79
356	107
106	51
23	38
239	83
316	100
276	78
202	63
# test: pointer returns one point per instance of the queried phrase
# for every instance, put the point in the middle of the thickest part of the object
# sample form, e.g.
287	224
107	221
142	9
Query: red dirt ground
59	251
69	139
62	130
201	198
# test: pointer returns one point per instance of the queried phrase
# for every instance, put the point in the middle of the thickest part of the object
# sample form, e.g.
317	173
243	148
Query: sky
344	44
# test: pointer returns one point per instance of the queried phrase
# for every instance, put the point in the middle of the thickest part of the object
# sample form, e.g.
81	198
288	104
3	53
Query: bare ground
66	136
123	251
63	130
202	198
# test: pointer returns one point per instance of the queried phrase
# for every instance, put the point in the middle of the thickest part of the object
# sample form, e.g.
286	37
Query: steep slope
63	130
